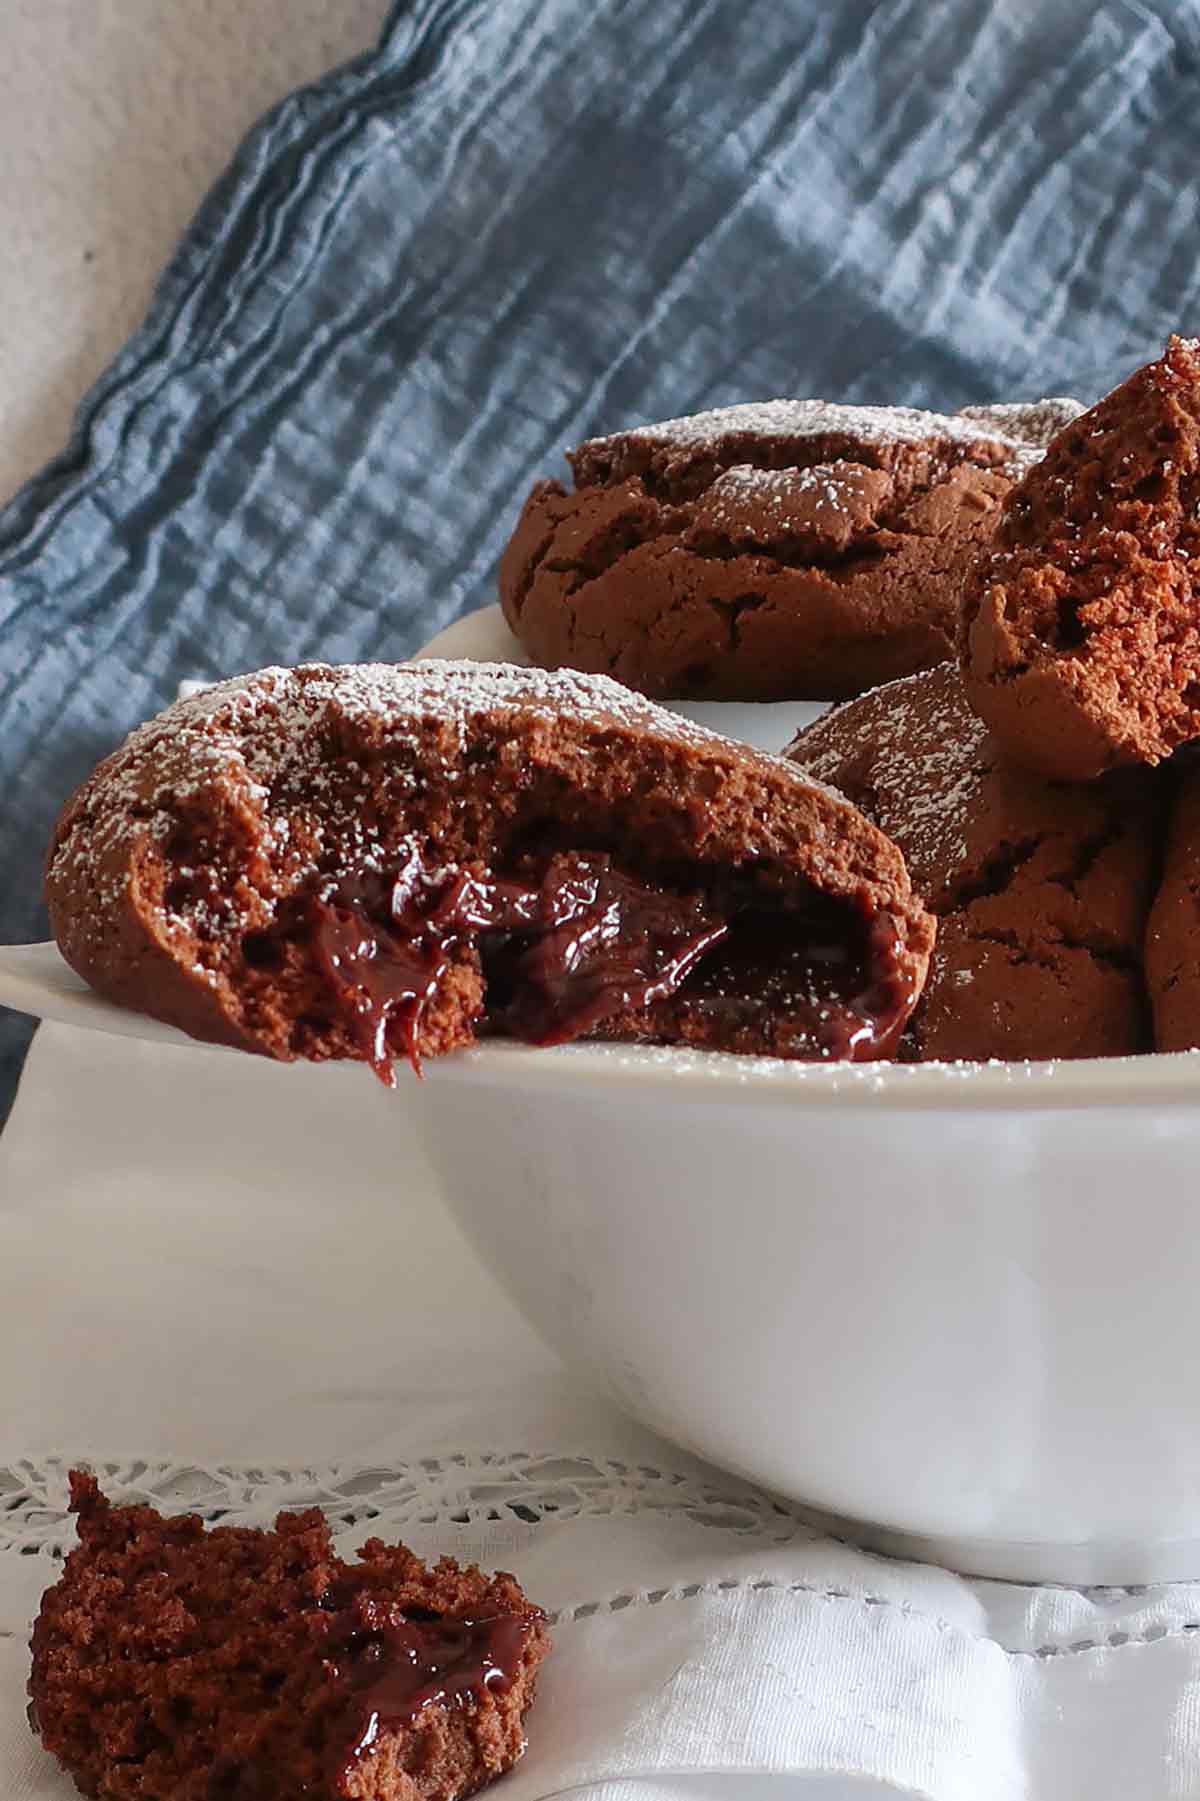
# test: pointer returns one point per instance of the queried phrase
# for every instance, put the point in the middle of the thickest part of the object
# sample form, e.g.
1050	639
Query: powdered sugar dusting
456	693
821	497
1032	422
1018	428
773	484
924	751
271	748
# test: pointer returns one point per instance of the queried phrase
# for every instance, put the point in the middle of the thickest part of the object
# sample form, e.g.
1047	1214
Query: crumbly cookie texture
246	1665
1080	632
786	549
1040	888
383	860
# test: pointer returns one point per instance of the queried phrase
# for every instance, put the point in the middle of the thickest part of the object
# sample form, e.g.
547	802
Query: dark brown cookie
789	550
247	1665
374	860
1081	623
1040	889
1173	929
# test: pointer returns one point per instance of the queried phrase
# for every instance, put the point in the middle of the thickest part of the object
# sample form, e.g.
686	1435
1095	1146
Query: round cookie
378	860
1080	636
1040	889
786	550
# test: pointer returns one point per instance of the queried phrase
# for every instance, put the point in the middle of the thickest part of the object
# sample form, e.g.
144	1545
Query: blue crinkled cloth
522	221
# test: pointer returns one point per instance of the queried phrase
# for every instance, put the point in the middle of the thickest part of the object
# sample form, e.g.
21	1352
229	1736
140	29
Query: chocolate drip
604	943
568	941
834	994
563	949
396	1664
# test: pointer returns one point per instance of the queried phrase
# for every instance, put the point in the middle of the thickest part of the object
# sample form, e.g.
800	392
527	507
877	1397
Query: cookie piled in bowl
1040	888
1080	632
786	550
1033	791
381	860
249	1665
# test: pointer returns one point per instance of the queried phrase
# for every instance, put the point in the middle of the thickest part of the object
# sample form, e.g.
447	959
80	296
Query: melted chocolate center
832	996
396	1664
562	949
569	941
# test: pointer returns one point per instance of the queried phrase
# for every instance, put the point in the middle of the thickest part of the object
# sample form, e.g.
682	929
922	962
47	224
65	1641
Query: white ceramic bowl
958	1305
953	1305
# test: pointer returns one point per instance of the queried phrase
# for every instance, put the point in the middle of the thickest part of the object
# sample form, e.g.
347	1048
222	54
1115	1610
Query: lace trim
529	1486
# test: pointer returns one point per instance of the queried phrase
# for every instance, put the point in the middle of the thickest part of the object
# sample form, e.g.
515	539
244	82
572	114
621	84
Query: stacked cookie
1029	785
791	550
384	860
797	549
1040	888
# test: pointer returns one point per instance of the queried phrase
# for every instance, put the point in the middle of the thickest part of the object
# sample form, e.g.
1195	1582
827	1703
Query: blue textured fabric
521	221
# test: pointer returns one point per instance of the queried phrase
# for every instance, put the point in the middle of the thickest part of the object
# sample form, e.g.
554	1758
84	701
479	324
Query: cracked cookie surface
1080	638
780	550
1040	889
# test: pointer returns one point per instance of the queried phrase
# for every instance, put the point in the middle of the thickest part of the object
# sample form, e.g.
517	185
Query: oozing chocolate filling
568	941
395	1664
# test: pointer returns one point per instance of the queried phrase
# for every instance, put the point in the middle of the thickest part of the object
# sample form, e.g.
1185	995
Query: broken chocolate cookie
1080	635
241	1664
379	860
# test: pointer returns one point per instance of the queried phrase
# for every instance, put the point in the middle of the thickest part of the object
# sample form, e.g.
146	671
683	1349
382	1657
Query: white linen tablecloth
229	1285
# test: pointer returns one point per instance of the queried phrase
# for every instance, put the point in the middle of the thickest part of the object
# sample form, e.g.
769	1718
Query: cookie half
248	1665
1080	633
380	859
1040	888
787	550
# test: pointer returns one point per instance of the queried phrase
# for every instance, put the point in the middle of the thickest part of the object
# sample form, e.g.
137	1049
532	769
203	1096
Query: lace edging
524	1485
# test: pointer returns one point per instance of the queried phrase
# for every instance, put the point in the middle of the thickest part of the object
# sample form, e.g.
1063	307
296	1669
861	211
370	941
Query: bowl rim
35	979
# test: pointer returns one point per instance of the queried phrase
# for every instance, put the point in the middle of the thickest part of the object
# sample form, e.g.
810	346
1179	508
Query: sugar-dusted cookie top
785	549
381	859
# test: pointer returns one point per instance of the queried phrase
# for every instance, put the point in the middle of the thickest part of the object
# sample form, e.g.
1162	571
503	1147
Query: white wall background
115	118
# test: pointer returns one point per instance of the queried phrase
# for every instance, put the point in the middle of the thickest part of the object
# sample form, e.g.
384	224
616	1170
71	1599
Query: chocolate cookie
1081	623
365	861
1173	930
1040	889
246	1665
785	551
